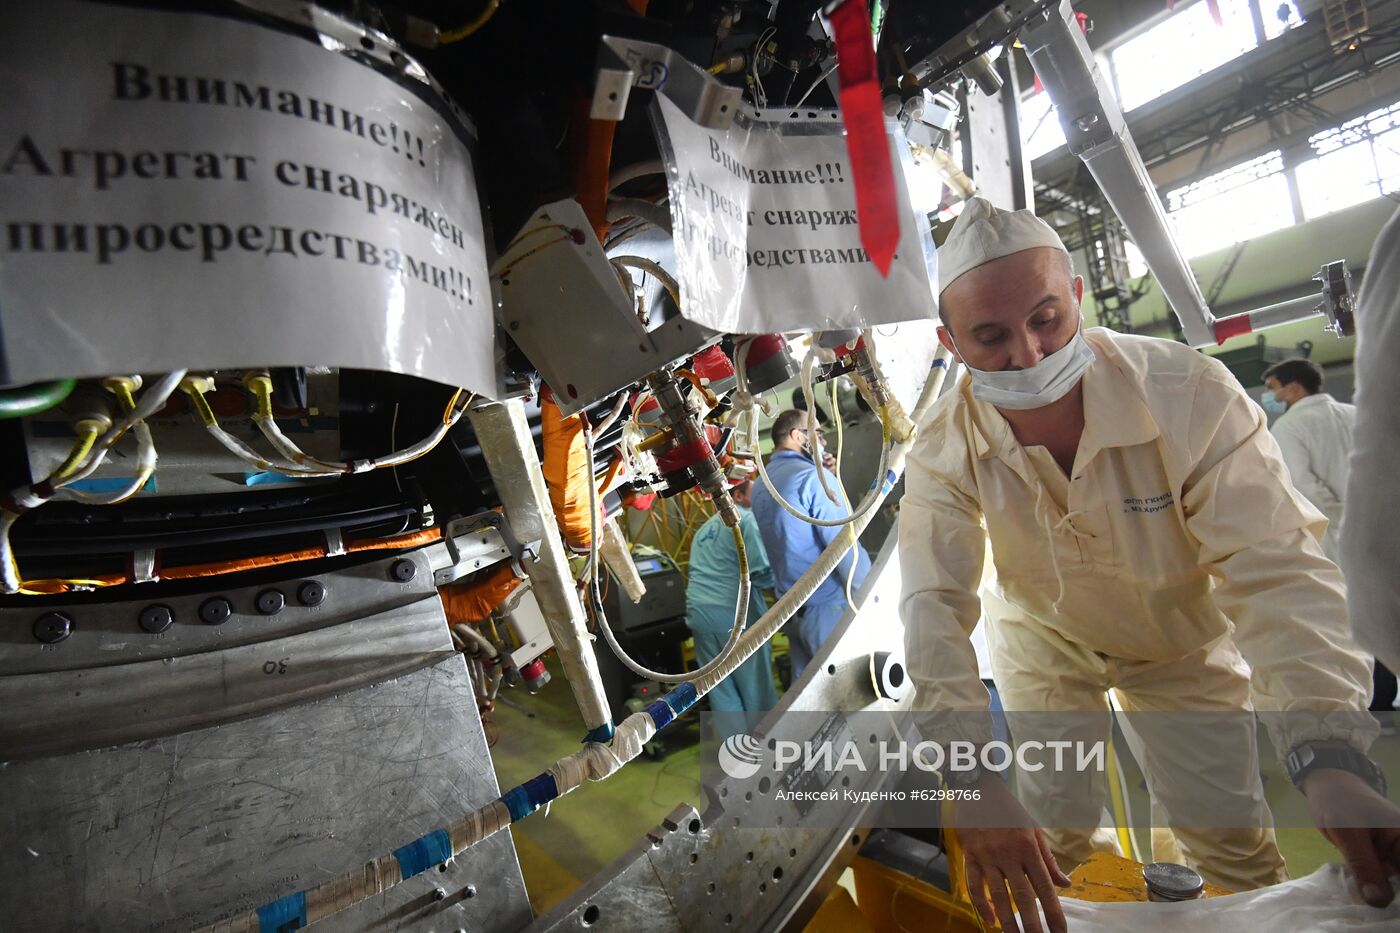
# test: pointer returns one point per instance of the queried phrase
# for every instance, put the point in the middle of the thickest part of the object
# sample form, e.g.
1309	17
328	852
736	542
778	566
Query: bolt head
402	570
215	611
52	628
439	894
311	593
155	619
270	602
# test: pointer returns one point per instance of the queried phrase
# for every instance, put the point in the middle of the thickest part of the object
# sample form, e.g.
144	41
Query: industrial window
1040	126
1352	163
1185	45
1240	203
1279	17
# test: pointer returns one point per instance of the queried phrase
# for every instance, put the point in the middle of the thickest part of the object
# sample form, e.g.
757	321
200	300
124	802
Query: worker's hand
1009	851
1363	825
828	460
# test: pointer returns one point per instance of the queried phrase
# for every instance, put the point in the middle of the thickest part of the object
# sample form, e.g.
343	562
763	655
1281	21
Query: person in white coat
1370	543
1314	434
1147	541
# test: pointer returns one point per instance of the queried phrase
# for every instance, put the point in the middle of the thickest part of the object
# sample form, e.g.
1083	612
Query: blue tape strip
660	714
890	480
110	484
423	853
940	362
518	803
541	789
682	698
528	797
601	735
270	479
287	913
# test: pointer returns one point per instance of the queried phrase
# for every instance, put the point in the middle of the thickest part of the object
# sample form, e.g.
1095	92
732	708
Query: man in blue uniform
793	544
711	592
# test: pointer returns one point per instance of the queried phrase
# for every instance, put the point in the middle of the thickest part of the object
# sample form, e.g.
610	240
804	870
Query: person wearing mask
1370	545
1314	433
711	594
1147	542
794	544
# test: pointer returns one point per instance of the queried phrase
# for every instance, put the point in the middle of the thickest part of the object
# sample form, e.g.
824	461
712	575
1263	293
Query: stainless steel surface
110	632
601	345
627	63
366	739
1097	133
751	862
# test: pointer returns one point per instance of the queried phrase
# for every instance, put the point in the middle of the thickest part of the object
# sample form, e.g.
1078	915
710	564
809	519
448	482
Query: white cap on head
983	233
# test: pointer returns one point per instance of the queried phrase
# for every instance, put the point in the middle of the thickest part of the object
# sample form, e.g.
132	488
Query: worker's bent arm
942	547
1287	600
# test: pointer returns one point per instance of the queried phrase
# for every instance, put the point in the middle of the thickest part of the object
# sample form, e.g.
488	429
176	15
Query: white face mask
1047	381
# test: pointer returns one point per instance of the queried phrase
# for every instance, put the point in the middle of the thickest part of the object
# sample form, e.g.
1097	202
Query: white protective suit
1370	541
1314	436
1176	565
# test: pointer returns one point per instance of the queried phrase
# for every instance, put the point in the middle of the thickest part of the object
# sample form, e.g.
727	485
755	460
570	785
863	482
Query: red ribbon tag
877	209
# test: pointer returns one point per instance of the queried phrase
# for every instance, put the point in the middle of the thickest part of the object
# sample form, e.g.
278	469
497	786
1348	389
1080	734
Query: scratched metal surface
175	831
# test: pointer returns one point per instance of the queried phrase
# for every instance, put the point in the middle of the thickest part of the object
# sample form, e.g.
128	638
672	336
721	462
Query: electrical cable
27	498
741	608
845	499
653	268
815	84
813	430
871	497
471	27
122	387
23	401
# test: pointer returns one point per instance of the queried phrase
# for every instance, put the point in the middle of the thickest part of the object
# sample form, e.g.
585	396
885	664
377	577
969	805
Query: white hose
741	607
871	497
809	363
145	466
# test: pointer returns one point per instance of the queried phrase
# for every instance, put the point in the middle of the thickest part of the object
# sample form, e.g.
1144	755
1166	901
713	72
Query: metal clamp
627	63
467	524
1338	297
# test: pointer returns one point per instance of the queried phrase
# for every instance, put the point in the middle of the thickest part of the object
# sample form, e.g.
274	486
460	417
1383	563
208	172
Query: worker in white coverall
1371	537
1145	540
1314	435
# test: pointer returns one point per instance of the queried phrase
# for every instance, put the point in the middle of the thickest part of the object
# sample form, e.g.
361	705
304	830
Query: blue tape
287	913
110	484
940	362
602	734
518	803
528	797
270	479
423	853
890	480
660	714
682	698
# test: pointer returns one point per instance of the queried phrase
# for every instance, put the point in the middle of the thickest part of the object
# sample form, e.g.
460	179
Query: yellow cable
468	29
1120	812
87	437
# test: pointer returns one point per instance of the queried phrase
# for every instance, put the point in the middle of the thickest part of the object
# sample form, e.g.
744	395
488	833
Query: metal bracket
1338	297
497	539
627	63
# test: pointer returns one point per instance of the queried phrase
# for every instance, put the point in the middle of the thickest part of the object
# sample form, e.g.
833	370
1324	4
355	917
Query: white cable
145	466
809	363
871	497
151	401
845	499
815	84
741	608
651	267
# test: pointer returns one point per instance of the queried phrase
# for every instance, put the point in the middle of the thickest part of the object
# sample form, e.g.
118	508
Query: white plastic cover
1324	902
193	190
764	216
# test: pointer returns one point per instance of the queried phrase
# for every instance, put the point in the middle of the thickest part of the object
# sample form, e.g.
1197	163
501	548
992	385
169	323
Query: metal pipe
1285	312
